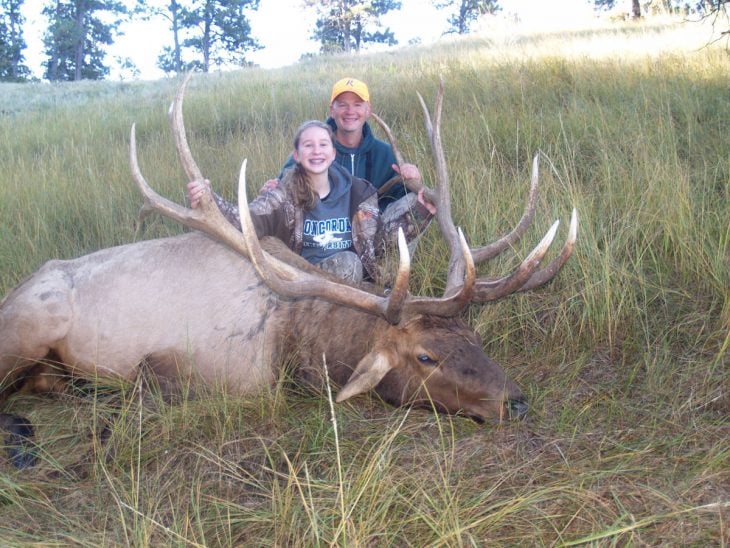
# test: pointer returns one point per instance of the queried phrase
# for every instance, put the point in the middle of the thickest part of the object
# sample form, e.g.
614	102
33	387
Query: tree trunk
344	10
346	35
53	61
462	17
358	34
16	35
206	45
175	12
79	39
635	9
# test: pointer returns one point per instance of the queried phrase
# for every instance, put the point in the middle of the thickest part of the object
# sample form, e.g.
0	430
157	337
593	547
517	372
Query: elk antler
284	279
525	276
410	184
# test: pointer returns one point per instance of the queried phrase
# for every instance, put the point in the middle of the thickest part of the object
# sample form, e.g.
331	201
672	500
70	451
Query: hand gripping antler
526	275
284	279
413	186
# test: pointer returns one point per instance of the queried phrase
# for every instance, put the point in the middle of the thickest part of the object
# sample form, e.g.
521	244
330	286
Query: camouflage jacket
374	235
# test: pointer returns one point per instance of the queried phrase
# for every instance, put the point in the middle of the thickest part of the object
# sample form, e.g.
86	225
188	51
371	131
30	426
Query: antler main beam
526	276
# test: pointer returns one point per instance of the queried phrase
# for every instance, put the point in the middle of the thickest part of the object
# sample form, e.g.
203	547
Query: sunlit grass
623	357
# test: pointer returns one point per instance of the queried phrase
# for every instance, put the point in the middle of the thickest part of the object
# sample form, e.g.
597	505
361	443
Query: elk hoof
517	409
18	440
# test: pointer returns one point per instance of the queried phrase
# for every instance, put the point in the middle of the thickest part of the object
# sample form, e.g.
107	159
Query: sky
283	28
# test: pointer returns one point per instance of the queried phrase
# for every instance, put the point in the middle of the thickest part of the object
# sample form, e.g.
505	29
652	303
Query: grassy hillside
623	357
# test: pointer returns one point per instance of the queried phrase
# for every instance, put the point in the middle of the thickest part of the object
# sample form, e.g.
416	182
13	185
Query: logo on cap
353	85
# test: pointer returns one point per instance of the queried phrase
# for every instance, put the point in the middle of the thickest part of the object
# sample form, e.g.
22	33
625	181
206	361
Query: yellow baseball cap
350	84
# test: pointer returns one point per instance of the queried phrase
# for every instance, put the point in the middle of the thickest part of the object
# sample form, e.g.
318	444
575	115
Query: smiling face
350	112
315	150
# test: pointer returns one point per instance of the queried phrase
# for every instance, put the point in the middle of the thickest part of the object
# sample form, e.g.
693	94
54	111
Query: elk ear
368	373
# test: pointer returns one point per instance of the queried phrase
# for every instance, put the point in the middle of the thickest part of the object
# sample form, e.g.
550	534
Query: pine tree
75	38
221	32
12	42
467	12
346	25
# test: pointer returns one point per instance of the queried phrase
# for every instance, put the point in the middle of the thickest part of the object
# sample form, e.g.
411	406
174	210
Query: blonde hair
301	191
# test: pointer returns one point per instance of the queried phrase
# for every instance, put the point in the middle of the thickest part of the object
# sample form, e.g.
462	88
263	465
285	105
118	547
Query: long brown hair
298	180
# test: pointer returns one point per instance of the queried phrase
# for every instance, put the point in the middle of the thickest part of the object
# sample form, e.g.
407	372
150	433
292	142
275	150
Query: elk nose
517	408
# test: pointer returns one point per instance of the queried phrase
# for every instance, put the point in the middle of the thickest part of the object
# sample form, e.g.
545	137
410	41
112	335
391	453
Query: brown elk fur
188	305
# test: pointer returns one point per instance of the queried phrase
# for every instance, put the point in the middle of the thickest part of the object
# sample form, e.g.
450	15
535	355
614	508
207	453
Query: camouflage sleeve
265	209
365	227
229	210
408	214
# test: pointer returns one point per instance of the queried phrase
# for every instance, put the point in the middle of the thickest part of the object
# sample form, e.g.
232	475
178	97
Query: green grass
623	357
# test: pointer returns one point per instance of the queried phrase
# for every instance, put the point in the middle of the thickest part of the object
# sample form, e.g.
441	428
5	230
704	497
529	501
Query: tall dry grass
623	357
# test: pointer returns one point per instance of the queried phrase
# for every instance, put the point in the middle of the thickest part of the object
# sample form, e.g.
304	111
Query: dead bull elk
217	305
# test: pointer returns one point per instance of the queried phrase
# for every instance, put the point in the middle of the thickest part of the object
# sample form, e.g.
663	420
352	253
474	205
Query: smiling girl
319	210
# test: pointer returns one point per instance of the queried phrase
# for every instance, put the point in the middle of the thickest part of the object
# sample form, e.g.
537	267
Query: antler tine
207	218
399	293
452	305
181	140
413	186
152	200
457	265
438	103
543	276
253	248
426	116
491	290
390	183
490	251
526	276
155	202
389	134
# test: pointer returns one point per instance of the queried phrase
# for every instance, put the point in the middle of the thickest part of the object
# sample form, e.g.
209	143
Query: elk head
427	355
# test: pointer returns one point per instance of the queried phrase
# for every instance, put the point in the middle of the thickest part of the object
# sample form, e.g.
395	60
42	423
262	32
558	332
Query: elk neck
340	335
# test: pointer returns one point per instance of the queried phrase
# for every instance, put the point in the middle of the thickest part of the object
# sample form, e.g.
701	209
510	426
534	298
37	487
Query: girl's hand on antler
196	190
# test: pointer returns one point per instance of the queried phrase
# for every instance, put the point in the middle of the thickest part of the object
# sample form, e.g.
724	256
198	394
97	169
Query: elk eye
426	359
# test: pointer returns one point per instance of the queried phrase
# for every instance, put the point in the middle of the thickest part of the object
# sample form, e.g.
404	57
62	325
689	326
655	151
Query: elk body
219	306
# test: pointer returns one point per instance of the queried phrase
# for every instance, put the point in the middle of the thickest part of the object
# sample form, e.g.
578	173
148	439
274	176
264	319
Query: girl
319	210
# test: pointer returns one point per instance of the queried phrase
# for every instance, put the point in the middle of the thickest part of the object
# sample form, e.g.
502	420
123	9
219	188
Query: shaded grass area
623	357
224	471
